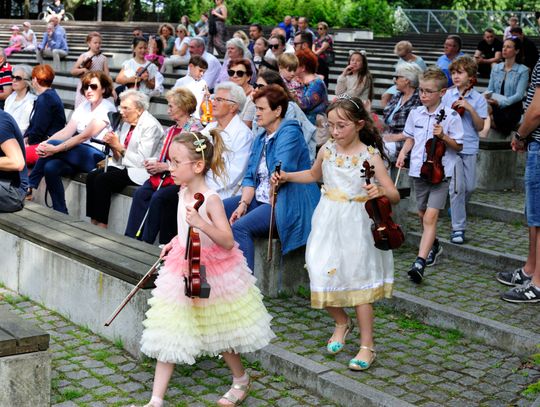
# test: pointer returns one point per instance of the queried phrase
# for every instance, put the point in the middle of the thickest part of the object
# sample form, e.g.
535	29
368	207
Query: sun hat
15	28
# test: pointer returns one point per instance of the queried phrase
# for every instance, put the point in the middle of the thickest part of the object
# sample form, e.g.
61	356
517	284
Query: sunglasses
258	85
17	78
92	86
275	46
232	73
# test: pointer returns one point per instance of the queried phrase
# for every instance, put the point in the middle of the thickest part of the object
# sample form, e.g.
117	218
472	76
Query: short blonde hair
182	98
288	61
403	46
434	73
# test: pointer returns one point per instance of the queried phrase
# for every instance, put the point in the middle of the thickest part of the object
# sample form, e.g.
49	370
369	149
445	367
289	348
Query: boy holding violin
434	135
472	107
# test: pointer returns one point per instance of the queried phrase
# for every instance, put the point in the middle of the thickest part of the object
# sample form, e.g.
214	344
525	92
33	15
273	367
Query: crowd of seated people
265	96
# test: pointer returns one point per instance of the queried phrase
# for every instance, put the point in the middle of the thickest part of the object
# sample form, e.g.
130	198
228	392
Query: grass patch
119	343
70	393
284	295
278	379
532	389
12	299
304	292
101	355
405	323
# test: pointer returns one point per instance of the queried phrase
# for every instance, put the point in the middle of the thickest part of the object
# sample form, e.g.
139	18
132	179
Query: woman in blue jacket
279	141
507	87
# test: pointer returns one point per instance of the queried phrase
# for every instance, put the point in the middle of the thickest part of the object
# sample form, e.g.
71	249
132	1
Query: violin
206	108
87	63
387	234
432	170
140	71
461	109
195	285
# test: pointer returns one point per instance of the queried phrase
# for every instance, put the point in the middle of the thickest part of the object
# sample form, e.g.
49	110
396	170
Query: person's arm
478	122
7	89
76	70
183	49
248	193
323	48
531	118
407	146
123	79
314	174
13	159
521	88
449	141
70	141
312	96
222	13
219	229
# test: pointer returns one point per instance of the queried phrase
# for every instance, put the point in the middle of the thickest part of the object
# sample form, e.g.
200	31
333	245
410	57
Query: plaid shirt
397	124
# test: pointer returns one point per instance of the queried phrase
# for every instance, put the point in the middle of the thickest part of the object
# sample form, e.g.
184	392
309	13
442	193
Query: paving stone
77	374
130	387
90	383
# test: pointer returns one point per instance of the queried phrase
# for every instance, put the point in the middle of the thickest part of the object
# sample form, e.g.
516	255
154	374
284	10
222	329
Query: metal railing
460	21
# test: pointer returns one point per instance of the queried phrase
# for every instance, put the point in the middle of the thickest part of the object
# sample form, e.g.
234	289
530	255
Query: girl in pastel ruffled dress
345	268
233	319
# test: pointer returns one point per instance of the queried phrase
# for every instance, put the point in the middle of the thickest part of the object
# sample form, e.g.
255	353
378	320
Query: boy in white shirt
425	123
194	81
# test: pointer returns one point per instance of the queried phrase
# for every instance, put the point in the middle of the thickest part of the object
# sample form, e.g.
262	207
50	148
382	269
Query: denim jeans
532	184
254	223
162	209
81	158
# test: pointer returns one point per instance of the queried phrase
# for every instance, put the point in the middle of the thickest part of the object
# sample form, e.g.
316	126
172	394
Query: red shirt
5	76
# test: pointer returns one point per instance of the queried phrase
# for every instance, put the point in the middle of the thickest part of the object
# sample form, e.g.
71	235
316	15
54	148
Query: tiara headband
200	144
357	51
344	96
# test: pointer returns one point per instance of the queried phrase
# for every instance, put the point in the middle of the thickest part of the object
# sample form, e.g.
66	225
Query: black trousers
99	189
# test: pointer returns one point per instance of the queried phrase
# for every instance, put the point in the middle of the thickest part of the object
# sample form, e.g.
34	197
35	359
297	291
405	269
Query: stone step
505	206
416	364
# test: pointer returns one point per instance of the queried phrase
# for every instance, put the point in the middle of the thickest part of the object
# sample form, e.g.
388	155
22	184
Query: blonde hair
288	61
183	98
404	46
434	73
211	151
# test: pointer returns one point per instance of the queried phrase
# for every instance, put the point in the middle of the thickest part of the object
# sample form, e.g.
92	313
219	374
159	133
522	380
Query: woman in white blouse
21	101
139	139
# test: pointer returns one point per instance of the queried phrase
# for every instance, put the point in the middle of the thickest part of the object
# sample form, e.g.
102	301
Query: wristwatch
518	136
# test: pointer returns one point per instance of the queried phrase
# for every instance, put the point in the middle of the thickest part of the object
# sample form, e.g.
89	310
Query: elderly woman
397	110
356	80
282	142
293	110
240	73
403	50
139	139
138	73
315	97
48	117
507	87
71	149
180	55
323	47
21	101
157	197
235	50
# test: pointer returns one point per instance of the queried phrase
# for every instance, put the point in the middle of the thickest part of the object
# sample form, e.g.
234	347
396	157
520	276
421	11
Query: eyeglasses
339	127
174	164
275	46
17	78
232	72
258	85
92	86
396	77
221	100
427	91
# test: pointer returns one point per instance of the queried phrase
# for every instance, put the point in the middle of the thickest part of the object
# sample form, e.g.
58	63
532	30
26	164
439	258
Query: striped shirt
535	84
5	76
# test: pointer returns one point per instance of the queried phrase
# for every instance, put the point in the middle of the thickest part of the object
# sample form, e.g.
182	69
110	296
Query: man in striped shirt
526	280
5	78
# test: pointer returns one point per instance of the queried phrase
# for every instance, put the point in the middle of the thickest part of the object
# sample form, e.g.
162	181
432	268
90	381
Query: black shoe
525	293
435	252
416	273
513	278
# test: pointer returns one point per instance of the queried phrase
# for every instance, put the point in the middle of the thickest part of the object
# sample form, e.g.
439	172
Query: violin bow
272	215
139	285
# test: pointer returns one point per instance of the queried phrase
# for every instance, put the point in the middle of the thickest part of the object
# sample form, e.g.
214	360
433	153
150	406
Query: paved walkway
88	370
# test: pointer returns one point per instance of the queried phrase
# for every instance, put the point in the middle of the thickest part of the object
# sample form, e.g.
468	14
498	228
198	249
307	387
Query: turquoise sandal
334	347
357	364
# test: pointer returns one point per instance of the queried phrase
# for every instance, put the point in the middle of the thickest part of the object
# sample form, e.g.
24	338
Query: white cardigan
146	142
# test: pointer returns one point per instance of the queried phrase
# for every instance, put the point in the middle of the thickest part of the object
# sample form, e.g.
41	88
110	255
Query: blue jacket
56	41
295	202
515	84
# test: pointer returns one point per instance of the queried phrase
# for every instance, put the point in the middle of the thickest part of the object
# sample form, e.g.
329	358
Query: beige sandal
231	398
358	364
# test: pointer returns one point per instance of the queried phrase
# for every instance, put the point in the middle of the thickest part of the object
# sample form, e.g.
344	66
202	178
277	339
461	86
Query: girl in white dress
345	268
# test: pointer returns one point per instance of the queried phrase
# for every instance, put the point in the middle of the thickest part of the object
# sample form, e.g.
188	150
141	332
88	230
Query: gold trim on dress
350	298
338	195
